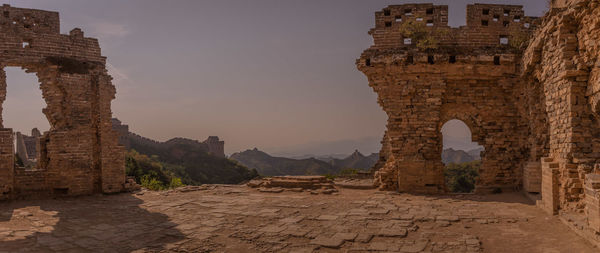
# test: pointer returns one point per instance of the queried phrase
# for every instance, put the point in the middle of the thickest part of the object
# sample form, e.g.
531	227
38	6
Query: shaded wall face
80	153
563	56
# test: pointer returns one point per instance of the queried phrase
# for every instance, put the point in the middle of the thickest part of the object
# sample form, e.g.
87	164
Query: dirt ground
220	218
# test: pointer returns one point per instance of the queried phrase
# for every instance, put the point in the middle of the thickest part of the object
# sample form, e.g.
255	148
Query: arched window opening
22	111
461	157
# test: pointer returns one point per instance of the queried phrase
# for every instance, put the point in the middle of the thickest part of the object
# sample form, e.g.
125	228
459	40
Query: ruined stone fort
80	154
528	88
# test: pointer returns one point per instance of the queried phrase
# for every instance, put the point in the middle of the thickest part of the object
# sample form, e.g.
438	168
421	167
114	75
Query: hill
193	164
355	161
268	165
193	161
455	156
475	153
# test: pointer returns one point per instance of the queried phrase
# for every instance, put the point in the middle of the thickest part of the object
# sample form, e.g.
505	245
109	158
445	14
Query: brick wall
80	154
471	76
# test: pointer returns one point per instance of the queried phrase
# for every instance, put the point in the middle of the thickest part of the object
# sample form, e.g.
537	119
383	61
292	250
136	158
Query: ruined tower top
488	25
29	20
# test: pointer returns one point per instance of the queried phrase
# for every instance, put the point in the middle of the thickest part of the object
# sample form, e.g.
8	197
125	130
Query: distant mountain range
459	156
268	165
323	149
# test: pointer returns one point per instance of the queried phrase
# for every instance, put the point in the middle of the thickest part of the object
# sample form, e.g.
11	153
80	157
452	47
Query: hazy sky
272	74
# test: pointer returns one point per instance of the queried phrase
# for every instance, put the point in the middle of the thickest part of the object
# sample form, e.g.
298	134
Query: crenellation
387	33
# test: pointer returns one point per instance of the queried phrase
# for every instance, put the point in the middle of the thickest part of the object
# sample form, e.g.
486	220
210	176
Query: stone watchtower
80	153
426	73
528	88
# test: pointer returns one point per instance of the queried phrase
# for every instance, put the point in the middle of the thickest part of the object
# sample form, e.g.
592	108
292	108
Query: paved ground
239	219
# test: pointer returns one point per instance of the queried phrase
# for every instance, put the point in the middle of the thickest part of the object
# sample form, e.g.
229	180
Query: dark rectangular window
429	11
388	24
506	12
387	12
408	11
368	62
430	59
484	22
506	23
486	11
410	59
496	60
452	59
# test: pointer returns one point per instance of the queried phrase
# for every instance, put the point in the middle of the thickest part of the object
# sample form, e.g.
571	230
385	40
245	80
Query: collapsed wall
80	153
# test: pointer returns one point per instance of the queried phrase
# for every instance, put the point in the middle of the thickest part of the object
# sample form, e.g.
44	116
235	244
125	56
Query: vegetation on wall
420	34
518	39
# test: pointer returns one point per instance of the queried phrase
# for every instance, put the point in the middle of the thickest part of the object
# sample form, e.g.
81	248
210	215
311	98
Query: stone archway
461	156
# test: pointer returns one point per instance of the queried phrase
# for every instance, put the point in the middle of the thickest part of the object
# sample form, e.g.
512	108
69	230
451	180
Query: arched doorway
461	156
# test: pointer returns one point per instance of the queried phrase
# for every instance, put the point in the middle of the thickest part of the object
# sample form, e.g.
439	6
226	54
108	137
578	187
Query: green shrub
462	177
175	182
330	176
150	173
151	183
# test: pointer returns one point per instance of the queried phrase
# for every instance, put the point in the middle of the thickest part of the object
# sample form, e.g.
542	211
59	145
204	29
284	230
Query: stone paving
219	218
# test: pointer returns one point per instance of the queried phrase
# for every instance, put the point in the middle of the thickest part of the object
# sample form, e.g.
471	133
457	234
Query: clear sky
274	74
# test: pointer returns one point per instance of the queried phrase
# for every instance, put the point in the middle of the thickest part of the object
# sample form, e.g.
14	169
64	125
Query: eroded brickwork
471	76
80	153
535	108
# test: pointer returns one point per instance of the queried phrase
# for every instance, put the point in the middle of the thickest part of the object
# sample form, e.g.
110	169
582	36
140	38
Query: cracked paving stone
328	241
273	229
327	217
417	246
346	236
391	232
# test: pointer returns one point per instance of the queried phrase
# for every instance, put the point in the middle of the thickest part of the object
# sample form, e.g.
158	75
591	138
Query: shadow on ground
114	223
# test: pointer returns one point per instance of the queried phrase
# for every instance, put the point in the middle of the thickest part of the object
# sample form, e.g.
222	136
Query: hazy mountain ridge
268	165
451	155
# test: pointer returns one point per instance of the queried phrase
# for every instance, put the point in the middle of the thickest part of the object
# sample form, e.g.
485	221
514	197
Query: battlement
28	20
488	26
431	15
